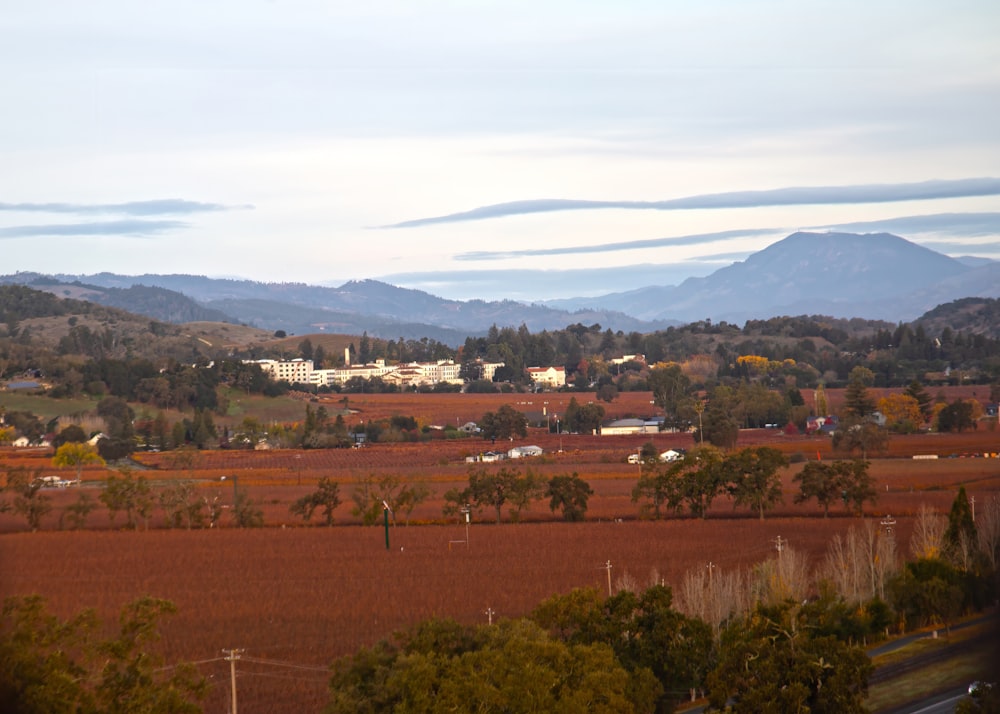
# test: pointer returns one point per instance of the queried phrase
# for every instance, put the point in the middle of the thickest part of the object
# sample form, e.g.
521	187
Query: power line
292	665
287	677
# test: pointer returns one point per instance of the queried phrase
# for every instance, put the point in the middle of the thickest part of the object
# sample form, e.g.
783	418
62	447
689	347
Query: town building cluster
410	374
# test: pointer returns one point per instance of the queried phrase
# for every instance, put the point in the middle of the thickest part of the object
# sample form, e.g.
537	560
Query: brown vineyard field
295	597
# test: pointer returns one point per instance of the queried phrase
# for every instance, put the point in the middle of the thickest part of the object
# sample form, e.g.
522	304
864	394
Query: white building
296	371
553	377
300	371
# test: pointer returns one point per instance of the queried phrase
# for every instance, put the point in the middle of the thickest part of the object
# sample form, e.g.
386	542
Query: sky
522	150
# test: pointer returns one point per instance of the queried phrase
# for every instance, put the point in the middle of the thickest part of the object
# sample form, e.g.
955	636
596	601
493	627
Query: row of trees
749	477
180	504
495	489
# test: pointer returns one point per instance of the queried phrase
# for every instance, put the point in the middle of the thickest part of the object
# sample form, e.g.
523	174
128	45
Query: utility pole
888	522
972	502
385	517
780	544
233	655
490	612
711	566
607	566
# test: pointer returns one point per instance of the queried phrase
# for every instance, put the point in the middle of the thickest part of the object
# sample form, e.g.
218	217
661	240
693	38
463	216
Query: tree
76	513
182	506
76	455
828	481
246	513
769	662
649	637
717	425
129	494
506	423
326	496
957	416
819	480
118	418
61	667
902	412
927	591
37	672
585	419
670	392
29	501
512	666
921	397
494	489
857	402
701	478
857	485
570	493
865	436
370	493
960	535
73	432
753	477
131	680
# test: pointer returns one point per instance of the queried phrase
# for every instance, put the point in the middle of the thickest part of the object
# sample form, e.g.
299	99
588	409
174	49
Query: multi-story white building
296	371
487	370
300	371
554	377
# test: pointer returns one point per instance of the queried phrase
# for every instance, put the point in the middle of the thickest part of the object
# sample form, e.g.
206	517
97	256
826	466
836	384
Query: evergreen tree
917	391
857	402
961	527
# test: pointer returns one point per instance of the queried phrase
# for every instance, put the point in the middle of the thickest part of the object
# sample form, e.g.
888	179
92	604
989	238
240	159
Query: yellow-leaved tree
76	454
901	412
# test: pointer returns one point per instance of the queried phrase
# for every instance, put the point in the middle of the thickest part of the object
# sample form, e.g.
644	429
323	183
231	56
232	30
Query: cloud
97	228
695	239
793	196
963	224
953	248
156	207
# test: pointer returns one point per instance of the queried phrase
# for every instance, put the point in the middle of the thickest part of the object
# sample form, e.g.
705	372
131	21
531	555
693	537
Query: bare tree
713	596
927	540
859	563
988	529
783	577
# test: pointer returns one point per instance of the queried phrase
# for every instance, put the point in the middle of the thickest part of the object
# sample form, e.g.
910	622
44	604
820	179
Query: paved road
943	703
900	642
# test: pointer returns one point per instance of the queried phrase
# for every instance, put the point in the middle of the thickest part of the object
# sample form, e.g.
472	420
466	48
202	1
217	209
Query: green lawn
44	407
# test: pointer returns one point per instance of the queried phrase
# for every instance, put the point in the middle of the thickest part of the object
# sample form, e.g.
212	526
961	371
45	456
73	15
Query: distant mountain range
873	276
